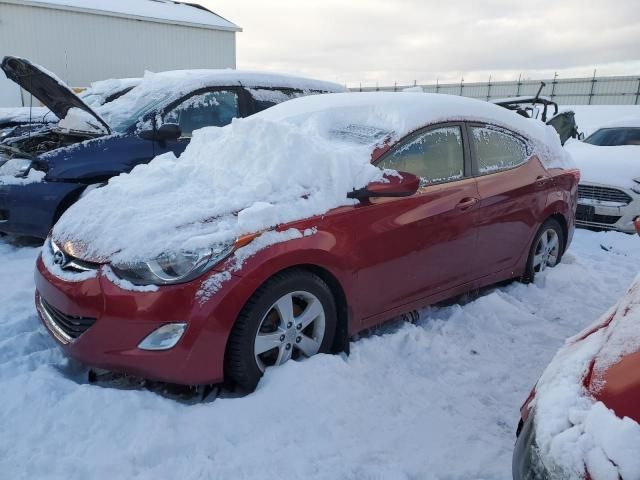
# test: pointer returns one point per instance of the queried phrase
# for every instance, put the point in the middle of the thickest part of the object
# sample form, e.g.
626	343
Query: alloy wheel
547	250
293	327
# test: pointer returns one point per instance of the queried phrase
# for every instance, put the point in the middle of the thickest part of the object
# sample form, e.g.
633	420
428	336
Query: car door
203	108
513	186
416	246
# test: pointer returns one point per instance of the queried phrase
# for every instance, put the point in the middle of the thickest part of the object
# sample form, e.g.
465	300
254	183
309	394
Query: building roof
163	11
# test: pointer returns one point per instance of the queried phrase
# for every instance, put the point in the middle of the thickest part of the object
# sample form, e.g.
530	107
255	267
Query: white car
609	190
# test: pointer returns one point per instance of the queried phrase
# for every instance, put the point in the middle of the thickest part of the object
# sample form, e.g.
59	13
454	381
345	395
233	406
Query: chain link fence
567	91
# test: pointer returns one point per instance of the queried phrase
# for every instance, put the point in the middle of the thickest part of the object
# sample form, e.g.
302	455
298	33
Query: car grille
71	325
603	194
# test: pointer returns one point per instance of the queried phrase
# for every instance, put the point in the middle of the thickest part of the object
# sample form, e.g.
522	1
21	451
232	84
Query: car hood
52	92
615	166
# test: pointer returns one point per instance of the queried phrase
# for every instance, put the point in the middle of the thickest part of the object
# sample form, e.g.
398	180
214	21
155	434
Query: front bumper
596	211
32	208
120	319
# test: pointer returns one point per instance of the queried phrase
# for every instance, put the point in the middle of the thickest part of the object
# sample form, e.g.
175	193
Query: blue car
44	172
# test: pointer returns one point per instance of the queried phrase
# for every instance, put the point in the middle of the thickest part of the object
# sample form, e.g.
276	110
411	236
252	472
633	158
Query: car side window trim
474	163
466	149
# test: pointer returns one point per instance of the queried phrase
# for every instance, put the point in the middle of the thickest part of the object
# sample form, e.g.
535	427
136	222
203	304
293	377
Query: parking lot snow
434	399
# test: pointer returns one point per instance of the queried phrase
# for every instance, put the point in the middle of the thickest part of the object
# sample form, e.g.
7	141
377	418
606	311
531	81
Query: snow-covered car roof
287	163
163	87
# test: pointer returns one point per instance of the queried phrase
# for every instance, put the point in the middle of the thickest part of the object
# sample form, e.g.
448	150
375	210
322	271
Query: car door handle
467	203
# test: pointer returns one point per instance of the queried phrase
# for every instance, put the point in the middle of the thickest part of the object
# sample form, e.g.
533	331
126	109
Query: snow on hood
290	162
615	166
573	429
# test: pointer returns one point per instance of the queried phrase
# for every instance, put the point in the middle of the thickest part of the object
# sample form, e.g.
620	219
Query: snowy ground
438	399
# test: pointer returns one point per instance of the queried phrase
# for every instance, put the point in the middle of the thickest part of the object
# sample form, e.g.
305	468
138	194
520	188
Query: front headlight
170	268
636	187
18	167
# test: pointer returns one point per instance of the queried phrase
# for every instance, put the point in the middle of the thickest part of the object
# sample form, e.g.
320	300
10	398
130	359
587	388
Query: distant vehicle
42	174
315	254
16	121
581	421
537	107
609	190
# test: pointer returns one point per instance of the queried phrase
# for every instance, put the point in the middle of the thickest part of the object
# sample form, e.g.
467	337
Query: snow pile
616	166
574	429
249	176
293	161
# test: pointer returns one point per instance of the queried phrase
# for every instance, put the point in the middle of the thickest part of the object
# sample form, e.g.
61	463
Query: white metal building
87	40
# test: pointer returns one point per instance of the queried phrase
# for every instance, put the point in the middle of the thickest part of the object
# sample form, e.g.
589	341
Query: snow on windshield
284	164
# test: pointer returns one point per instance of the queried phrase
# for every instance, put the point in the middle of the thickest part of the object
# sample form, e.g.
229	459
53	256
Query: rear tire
291	316
546	250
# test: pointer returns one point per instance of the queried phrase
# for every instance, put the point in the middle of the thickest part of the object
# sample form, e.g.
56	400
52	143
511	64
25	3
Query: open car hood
49	89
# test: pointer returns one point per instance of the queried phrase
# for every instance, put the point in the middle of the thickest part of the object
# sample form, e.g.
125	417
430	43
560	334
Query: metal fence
566	91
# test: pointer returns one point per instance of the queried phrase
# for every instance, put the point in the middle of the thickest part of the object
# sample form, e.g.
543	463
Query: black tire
241	366
549	224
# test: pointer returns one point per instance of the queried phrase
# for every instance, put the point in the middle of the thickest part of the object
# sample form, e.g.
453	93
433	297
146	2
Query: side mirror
581	136
166	131
401	185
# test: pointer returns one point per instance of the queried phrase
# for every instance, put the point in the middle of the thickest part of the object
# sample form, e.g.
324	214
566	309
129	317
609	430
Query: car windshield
612	137
126	111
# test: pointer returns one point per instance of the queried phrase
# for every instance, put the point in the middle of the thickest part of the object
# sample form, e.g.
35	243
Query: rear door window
496	149
208	109
436	156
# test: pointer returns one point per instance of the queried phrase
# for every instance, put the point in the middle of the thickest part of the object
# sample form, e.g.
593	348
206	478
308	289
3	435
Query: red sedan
483	196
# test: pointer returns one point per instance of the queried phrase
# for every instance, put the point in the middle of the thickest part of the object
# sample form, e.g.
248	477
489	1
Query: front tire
546	251
291	316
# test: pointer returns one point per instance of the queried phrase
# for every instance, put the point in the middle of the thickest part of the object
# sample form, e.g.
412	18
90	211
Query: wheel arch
342	334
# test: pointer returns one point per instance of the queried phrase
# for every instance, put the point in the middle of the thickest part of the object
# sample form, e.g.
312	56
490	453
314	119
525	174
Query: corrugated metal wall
81	47
571	91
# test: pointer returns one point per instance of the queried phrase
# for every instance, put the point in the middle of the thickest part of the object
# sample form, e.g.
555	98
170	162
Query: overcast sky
369	41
